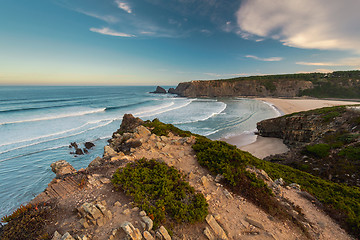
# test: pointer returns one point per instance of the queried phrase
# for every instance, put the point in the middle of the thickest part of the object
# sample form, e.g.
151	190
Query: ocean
37	124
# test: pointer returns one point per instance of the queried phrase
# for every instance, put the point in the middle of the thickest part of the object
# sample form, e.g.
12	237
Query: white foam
54	134
206	118
56	117
42	150
48	140
163	109
278	112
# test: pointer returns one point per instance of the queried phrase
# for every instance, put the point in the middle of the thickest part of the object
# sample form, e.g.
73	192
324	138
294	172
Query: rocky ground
88	207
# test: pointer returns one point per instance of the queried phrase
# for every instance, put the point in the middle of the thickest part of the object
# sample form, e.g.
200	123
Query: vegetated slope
340	201
341	84
324	142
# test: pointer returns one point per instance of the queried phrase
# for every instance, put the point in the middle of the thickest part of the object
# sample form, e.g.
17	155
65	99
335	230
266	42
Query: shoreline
262	147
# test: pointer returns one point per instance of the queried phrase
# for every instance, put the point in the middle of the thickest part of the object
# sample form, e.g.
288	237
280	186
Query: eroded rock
61	168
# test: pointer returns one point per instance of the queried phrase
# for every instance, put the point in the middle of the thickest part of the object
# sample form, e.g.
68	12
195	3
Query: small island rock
159	90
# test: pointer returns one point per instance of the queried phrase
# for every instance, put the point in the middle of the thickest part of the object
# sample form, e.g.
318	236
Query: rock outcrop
61	168
159	90
227	88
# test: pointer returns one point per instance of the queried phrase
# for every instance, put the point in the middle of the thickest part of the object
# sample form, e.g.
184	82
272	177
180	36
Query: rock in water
159	90
89	145
172	91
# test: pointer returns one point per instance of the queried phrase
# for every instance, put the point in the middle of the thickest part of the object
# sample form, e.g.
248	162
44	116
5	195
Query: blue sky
149	42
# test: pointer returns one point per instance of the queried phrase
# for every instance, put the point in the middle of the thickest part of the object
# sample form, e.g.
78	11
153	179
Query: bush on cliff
340	201
161	191
26	222
162	129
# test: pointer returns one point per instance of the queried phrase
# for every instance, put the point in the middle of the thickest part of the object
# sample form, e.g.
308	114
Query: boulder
159	90
172	91
62	167
96	162
148	236
89	145
78	151
148	222
216	227
164	233
295	186
109	152
129	123
132	232
67	236
57	236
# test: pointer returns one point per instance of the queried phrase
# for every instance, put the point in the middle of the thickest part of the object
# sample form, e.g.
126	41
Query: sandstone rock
218	178
227	194
109	152
89	145
159	90
67	236
148	236
142	213
208	234
148	221
295	186
96	162
216	227
164	233
280	182
57	236
126	211
97	214
142	131
131	231
205	181
117	204
61	168
254	223
84	223
129	123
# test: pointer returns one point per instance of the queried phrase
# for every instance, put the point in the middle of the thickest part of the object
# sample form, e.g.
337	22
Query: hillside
340	84
324	142
157	181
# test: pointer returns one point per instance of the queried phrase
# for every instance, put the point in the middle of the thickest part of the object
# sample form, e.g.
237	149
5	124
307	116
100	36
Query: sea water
37	124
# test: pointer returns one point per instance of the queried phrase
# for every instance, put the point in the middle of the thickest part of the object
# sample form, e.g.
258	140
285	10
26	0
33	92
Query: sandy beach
263	146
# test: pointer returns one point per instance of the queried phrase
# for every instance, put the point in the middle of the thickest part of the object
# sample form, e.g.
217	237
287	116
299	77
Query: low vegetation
340	201
161	191
162	129
26	222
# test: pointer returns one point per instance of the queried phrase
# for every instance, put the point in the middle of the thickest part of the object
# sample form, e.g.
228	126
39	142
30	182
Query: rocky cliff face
227	88
324	142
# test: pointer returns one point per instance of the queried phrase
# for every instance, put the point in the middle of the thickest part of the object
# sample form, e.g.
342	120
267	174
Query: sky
164	42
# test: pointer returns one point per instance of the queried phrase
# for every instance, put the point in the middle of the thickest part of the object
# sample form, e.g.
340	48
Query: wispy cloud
271	59
110	32
124	6
228	75
319	24
349	62
105	18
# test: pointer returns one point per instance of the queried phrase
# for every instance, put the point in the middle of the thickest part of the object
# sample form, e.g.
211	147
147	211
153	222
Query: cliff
332	85
285	88
324	142
193	188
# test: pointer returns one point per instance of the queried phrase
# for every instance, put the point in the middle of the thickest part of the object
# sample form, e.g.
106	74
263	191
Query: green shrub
27	222
162	129
318	150
222	158
161	191
341	201
351	152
